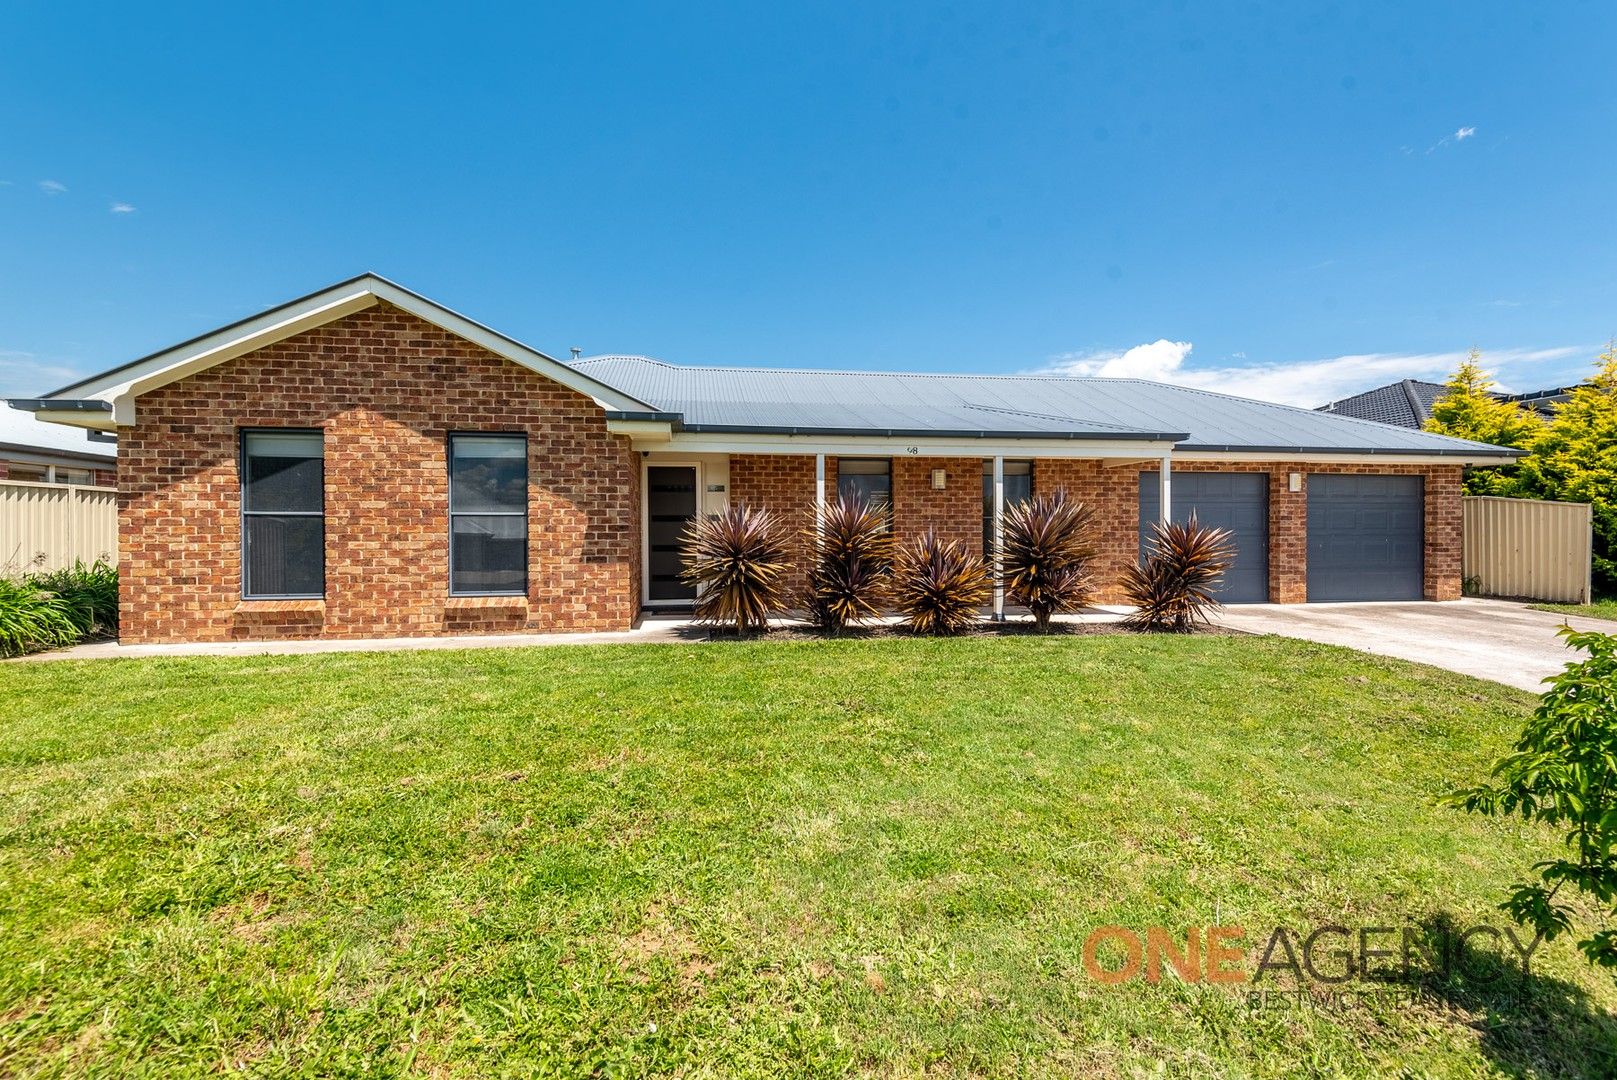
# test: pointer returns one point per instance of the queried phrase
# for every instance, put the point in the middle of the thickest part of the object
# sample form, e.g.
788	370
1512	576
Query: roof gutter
933	433
1501	452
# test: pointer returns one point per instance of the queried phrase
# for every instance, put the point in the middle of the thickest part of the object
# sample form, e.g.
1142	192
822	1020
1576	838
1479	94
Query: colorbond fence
1528	548
45	526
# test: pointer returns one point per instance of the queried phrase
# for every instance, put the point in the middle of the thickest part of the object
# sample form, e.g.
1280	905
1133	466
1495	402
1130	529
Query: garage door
1365	537
1238	502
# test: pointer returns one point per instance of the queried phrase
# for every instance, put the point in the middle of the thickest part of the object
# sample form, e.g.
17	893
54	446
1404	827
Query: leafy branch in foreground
1563	772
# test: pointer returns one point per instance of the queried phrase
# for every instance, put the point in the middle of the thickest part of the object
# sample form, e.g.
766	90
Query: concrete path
1499	640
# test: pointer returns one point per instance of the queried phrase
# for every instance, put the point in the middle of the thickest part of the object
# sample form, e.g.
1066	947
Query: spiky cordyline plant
850	564
738	561
939	585
1172	588
1048	543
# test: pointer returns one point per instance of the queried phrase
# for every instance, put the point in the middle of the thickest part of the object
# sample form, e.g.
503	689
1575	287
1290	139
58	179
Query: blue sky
1276	199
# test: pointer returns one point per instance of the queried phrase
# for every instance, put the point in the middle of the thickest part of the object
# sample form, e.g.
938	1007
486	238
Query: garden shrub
1172	588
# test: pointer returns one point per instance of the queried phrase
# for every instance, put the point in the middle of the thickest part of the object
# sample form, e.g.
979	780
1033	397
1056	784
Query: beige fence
1528	548
44	526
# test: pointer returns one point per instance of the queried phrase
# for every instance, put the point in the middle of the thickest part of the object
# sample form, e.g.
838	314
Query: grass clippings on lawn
801	858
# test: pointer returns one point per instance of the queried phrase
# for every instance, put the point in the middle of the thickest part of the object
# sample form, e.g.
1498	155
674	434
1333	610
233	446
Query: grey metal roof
1015	406
1406	403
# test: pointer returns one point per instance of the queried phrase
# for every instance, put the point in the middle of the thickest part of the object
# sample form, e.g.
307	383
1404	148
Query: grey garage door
1238	502
1365	537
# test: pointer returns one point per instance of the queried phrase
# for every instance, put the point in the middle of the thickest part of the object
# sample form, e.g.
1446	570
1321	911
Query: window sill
268	606
461	603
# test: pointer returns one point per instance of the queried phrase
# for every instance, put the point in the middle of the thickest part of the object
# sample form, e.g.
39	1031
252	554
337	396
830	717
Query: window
867	478
488	515
283	515
1018	489
65	475
34	474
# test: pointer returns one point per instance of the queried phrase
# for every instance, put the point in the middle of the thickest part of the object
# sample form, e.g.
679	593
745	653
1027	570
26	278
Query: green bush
90	594
1563	772
32	619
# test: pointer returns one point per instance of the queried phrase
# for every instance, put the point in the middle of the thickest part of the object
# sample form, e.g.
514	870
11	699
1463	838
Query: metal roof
1023	406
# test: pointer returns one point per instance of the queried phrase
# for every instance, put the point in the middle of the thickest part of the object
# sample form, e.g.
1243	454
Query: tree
1468	409
1575	460
1563	772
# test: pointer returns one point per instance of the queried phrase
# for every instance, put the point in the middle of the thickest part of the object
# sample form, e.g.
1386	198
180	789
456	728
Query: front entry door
670	506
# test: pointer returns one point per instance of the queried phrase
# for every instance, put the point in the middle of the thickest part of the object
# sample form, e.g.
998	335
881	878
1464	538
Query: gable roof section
108	400
790	402
1406	403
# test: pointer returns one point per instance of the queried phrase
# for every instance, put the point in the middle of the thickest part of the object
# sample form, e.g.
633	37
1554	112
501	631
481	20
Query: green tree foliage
1576	461
1469	410
1563	772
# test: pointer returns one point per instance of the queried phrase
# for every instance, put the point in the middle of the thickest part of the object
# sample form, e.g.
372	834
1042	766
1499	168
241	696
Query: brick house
364	462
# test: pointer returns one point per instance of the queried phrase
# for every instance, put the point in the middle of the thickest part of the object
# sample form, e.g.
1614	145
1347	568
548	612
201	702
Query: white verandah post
999	538
1165	491
819	494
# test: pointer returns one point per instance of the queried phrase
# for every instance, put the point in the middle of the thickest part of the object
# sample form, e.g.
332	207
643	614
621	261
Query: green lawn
798	858
1600	609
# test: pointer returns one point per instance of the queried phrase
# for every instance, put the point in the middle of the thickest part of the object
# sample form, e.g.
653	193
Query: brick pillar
1288	537
1443	531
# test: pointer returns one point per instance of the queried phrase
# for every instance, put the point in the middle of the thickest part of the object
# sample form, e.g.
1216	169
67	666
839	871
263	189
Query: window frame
527	499
241	473
887	503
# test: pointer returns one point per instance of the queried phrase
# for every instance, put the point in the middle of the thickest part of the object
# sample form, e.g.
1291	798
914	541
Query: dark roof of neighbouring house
1405	403
772	400
1408	402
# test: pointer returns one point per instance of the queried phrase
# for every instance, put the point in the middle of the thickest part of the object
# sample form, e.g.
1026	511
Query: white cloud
1314	382
52	187
1461	135
122	208
25	373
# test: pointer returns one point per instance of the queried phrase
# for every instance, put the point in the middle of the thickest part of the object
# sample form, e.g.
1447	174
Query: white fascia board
122	386
79	418
651	431
908	446
1326	459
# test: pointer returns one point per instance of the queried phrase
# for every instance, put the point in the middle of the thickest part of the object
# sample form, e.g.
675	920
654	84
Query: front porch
961	497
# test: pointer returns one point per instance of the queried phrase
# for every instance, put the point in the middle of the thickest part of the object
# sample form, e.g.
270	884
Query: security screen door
670	506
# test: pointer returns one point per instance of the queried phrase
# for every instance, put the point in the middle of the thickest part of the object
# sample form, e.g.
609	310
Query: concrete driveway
1499	640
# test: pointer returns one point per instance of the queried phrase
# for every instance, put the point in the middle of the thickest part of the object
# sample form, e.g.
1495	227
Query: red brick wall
788	483
783	483
386	388
956	512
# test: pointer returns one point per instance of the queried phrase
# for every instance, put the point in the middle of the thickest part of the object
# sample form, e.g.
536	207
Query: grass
806	858
1601	609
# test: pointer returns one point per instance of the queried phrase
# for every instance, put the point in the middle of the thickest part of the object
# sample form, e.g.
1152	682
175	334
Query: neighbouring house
1408	402
364	462
36	452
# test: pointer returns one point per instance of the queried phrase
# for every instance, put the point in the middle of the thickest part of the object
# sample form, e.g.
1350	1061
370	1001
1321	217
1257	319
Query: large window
1018	489
488	515
867	478
283	515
